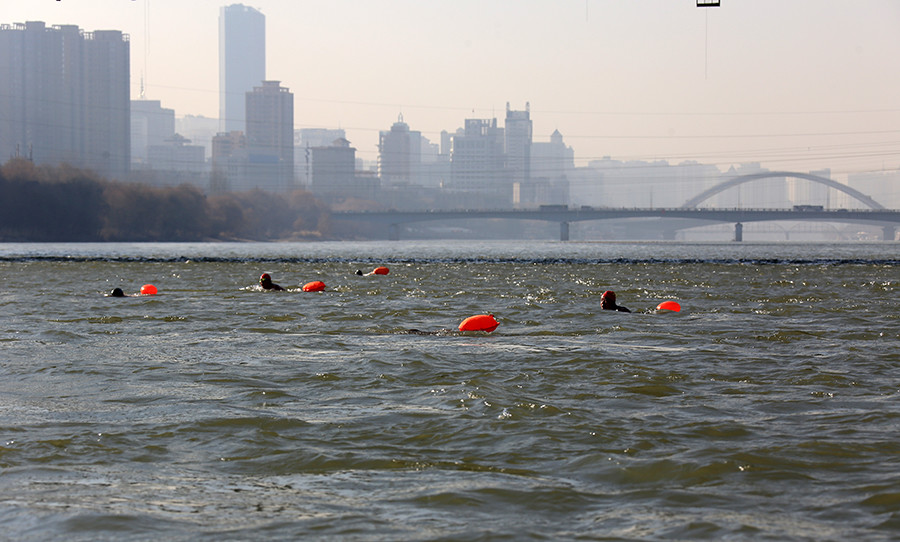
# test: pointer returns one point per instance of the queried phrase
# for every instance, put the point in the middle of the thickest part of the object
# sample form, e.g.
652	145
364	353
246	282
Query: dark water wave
457	260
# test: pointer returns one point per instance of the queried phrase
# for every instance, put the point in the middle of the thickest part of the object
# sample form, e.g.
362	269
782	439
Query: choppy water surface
769	408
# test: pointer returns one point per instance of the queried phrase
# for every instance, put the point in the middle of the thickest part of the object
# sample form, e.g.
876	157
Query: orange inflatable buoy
479	322
668	306
314	286
148	289
381	271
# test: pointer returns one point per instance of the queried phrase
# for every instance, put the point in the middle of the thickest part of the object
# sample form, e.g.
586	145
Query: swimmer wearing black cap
116	292
608	302
265	282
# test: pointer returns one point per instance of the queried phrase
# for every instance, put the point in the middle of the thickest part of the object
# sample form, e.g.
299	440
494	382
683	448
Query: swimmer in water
265	282
608	302
377	271
116	292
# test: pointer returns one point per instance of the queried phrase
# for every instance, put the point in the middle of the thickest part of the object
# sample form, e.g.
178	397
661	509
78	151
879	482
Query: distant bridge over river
887	219
876	214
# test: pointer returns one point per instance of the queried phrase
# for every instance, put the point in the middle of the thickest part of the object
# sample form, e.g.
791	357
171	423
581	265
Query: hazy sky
793	84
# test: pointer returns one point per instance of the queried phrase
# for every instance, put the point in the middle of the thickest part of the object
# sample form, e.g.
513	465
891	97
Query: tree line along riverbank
62	203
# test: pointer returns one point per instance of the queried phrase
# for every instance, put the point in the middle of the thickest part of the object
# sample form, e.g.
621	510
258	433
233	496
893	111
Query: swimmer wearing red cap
608	302
265	282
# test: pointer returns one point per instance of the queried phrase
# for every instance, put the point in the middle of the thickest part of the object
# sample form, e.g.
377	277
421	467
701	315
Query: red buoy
381	270
479	322
668	306
314	286
148	289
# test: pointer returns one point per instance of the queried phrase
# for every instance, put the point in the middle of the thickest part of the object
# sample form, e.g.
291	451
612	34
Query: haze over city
797	86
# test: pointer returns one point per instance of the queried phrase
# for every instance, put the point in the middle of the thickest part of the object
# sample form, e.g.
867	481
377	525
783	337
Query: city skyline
801	86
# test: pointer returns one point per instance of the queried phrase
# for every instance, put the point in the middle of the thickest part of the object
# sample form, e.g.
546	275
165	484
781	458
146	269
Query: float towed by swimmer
672	306
265	282
608	303
381	270
147	289
479	322
314	286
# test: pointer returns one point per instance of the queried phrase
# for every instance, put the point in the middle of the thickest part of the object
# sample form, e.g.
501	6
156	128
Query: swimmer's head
265	279
117	292
608	299
359	272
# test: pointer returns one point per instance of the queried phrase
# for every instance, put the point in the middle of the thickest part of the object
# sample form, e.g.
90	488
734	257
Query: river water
767	409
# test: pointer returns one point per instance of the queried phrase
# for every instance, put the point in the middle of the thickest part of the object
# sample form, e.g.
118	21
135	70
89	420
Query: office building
333	168
270	136
305	139
176	154
882	186
242	61
477	159
64	96
229	159
551	162
151	124
399	155
518	131
198	129
804	192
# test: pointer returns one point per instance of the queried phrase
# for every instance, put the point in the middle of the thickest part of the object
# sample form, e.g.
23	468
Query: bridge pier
394	232
563	231
738	232
890	233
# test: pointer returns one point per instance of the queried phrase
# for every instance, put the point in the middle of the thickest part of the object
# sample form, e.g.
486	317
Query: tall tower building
242	61
270	135
518	144
64	96
399	155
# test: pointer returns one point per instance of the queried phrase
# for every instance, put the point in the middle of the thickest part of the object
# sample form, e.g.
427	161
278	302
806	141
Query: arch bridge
876	213
742	179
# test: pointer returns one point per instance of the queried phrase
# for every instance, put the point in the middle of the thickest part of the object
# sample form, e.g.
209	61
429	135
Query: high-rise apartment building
242	61
64	96
270	136
477	158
